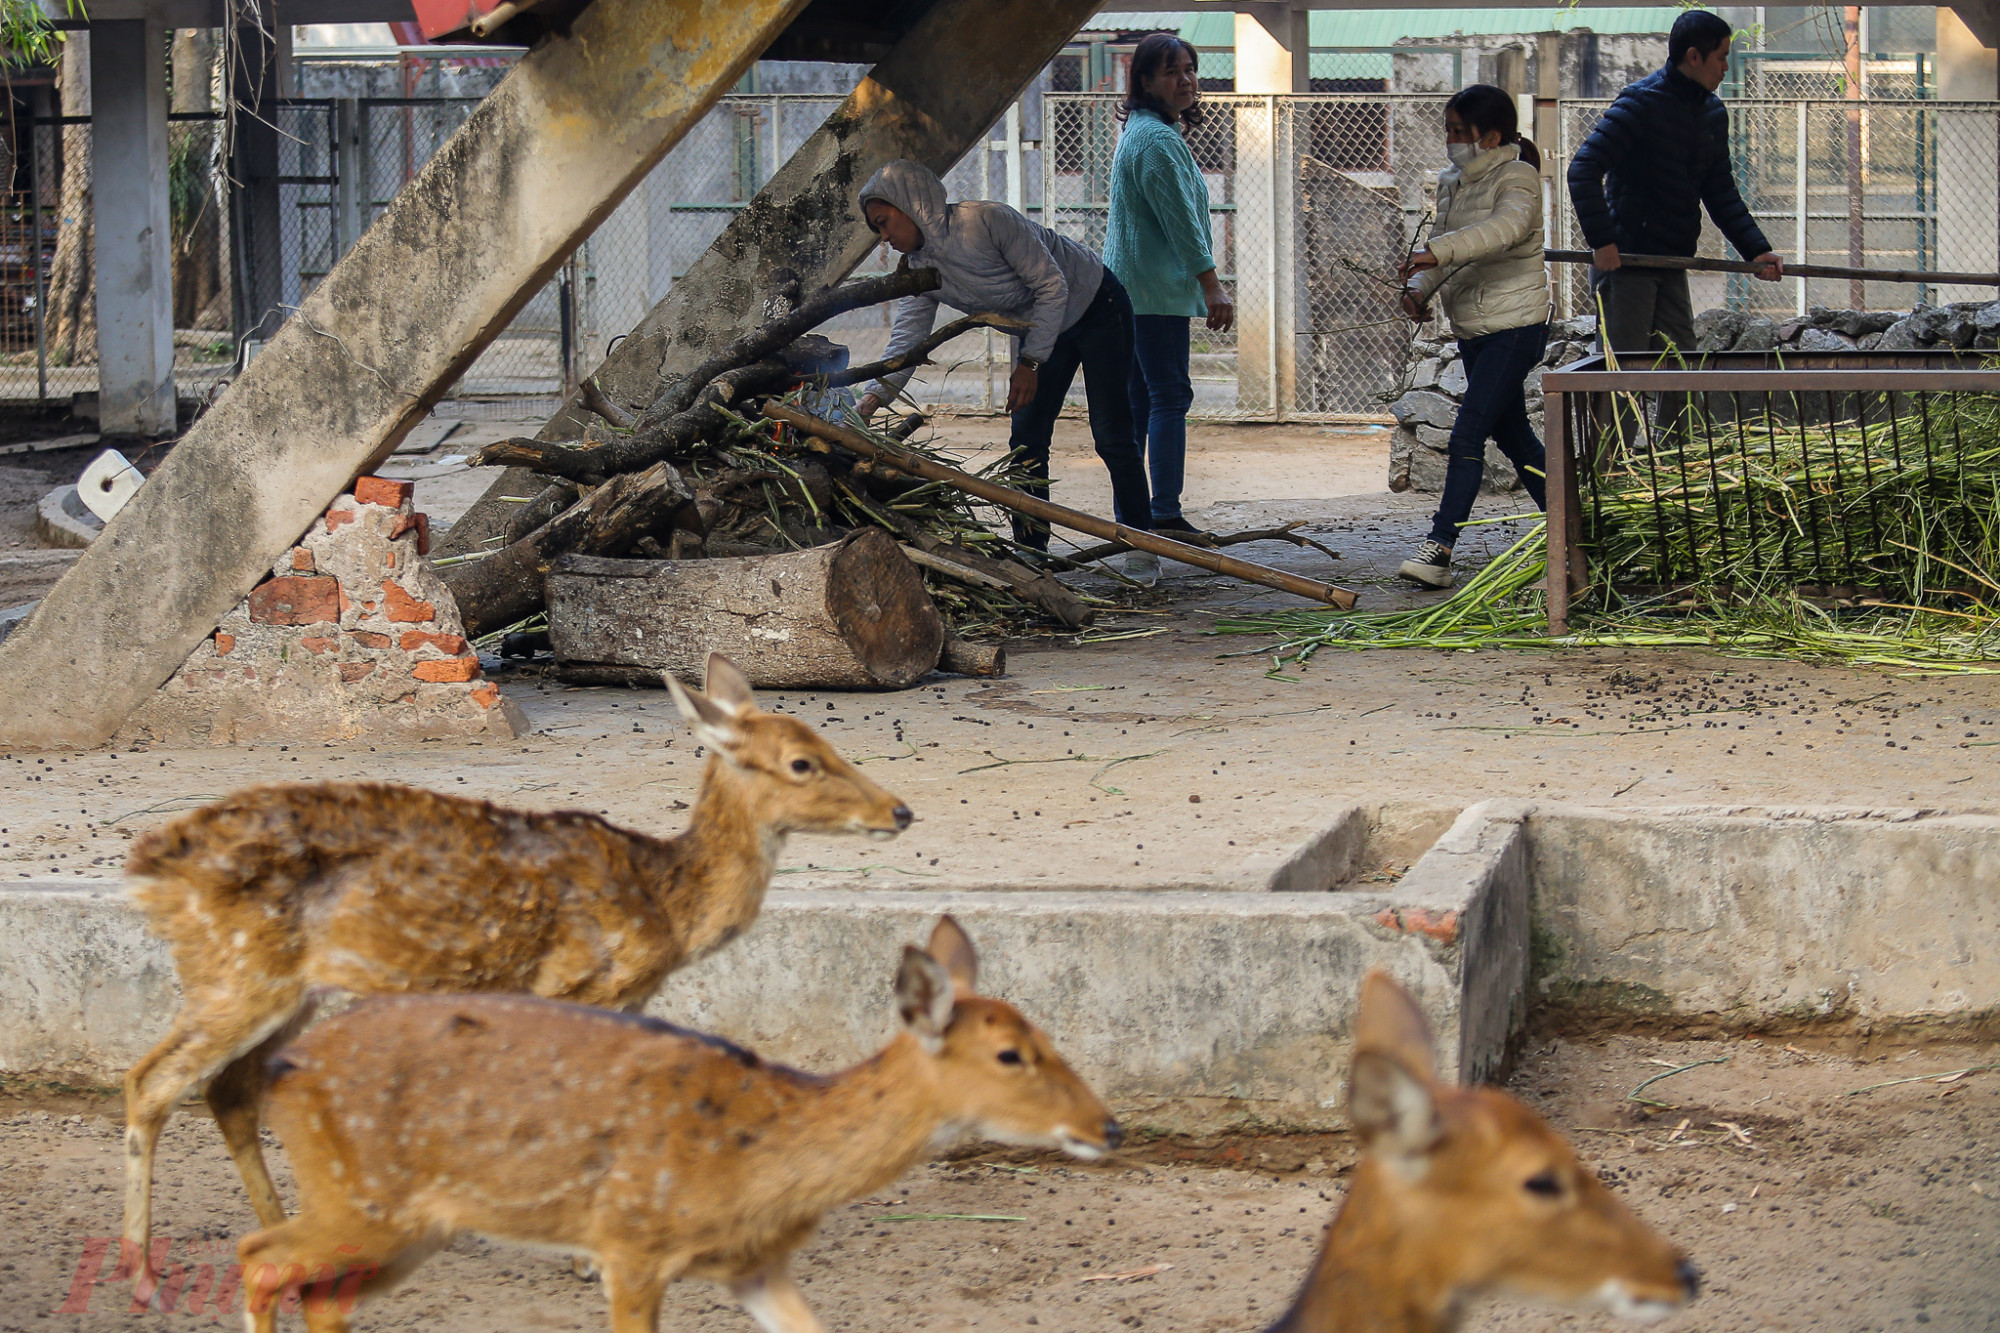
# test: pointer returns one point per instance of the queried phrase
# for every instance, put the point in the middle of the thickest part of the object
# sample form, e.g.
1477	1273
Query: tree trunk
201	301
850	616
507	587
72	291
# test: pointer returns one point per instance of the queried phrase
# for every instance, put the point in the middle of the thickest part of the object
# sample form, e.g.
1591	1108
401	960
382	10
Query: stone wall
352	633
1429	403
1973	324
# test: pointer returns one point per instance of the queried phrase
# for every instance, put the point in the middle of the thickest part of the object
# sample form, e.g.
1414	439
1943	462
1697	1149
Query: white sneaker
1430	567
1142	567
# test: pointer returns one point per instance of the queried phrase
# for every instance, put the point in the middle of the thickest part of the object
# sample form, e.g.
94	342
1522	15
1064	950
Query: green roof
1381	27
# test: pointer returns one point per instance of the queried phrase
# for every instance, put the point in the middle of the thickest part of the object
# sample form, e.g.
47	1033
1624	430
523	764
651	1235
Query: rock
1424	347
1402	444
1869	342
1900	336
1452	380
1759	335
1425	406
1788	332
1927	323
1987	318
1581	328
1986	341
1426	471
1425	376
1430	437
1717	330
1533	384
1824	340
1959	331
1573	353
1860	323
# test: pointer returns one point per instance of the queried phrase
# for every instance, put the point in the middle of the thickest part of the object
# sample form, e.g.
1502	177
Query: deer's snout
901	814
1690	1277
1114	1133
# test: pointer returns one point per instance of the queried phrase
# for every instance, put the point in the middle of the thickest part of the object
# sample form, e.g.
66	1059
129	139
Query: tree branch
920	355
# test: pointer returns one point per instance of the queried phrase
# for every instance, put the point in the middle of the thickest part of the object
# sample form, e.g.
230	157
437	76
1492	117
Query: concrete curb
61	520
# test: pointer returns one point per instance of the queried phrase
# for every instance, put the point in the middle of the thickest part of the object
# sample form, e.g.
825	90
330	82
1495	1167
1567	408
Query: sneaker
1179	528
1431	566
1142	567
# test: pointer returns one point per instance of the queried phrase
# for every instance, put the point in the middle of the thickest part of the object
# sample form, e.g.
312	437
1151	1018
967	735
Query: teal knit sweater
1157	239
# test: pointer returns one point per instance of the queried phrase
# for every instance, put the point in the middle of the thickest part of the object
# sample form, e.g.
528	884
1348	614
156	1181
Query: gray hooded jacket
990	259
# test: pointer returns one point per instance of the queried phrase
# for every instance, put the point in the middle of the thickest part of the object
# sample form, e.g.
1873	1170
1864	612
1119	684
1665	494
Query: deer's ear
952	947
1389	1021
1394	1110
924	997
727	687
712	725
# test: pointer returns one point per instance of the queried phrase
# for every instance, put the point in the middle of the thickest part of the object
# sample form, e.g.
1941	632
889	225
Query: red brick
302	561
316	645
388	559
422	523
353	671
444	643
404	608
223	643
447	669
368	640
486	695
344	602
336	517
382	491
295	600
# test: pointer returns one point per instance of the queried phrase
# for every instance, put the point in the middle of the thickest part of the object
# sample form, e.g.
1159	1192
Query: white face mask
1461	154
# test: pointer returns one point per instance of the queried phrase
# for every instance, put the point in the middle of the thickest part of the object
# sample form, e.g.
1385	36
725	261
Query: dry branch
920	355
1285	533
919	466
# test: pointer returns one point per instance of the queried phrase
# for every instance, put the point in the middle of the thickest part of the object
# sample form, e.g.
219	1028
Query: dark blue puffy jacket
1660	152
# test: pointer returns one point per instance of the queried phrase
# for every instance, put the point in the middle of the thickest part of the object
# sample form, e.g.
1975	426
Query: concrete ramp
548	155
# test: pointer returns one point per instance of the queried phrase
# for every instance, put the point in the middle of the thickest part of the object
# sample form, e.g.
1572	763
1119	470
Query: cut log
507	587
852	615
965	658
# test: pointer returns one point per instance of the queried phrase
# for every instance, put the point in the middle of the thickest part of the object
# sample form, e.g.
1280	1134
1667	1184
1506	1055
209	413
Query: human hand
1021	388
868	406
1605	259
1771	266
1417	263
1416	310
1221	310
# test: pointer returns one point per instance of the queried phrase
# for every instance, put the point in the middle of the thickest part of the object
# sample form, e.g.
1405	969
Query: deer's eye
1010	1057
802	766
1545	1185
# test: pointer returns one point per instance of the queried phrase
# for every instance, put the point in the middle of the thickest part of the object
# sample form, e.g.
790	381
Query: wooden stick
1278	534
1008	498
1791	270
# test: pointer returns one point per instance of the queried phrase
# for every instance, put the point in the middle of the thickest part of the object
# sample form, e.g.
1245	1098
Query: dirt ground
1828	1211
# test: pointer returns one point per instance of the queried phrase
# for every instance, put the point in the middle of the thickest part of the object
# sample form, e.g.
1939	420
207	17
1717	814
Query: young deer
662	1153
364	887
1464	1190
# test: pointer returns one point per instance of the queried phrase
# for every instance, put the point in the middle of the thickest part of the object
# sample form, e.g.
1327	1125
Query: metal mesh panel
1880	183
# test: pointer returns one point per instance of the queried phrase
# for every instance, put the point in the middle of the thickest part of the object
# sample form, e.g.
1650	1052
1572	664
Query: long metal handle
1791	270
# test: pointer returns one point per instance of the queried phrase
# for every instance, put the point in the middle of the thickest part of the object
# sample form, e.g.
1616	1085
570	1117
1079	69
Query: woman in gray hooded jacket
990	258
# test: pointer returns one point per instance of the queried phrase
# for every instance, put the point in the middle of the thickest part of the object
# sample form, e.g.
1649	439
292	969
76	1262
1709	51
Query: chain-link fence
1881	182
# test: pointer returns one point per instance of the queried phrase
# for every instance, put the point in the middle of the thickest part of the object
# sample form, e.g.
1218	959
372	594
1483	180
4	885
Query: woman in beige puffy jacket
1484	262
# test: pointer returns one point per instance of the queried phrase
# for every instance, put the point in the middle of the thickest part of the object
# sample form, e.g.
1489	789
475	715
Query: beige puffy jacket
1488	243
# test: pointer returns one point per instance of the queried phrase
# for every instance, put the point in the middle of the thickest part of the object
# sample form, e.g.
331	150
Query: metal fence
1882	182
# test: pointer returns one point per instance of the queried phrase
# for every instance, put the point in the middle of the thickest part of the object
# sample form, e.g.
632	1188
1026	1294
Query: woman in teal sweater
1157	242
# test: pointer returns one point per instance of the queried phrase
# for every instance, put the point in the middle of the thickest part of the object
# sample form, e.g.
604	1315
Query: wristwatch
1027	363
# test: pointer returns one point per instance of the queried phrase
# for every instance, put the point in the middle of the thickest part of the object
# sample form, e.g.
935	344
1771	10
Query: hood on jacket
912	187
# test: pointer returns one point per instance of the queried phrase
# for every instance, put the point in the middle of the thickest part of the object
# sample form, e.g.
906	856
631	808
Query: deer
659	1152
276	895
1462	1191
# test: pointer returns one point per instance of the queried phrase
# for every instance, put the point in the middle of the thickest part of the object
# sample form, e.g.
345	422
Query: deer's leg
205	1037
634	1285
361	1257
232	1099
775	1301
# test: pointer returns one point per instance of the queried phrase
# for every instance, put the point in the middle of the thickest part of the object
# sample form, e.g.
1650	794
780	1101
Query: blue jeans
1161	397
1495	408
1100	344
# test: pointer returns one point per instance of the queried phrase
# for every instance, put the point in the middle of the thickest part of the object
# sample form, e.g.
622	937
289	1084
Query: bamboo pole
1791	270
1049	512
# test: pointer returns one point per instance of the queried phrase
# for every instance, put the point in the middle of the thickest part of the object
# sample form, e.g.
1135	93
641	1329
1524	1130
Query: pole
1908	275
1008	498
1805	200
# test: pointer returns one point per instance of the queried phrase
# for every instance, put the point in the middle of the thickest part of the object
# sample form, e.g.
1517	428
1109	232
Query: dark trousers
1495	408
1099	344
1162	393
1646	310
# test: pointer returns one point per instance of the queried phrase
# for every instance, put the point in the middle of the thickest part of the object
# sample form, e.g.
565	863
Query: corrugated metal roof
1381	27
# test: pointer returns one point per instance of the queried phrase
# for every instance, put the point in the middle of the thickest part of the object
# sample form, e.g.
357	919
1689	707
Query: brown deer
1461	1191
660	1152
276	892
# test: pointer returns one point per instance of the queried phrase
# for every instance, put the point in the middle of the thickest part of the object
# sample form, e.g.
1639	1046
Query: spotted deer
660	1153
276	893
1462	1191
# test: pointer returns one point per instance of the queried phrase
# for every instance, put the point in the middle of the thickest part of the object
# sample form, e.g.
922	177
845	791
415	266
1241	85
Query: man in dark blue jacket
1660	153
